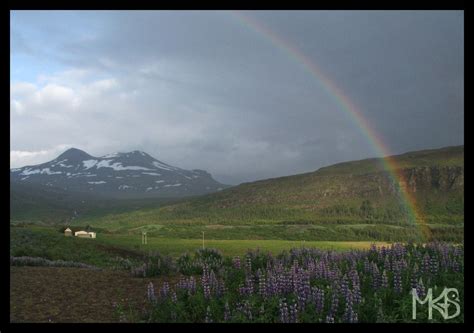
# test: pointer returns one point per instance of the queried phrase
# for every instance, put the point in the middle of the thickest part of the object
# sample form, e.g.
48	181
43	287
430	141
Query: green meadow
49	243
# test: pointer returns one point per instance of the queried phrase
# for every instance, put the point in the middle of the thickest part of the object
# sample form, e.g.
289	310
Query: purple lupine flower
284	315
398	250
444	257
243	291
304	293
376	282
205	282
329	319
207	291
384	279
420	288
236	262
455	266
433	265
262	288
386	263
245	308
164	291
293	313
334	305
213	282
249	284
318	297
151	293
222	288
208	318
397	280
227	313
182	283
413	281
248	264
174	297
357	296
402	264
350	315
191	285
344	286
425	266
373	248
366	265
270	285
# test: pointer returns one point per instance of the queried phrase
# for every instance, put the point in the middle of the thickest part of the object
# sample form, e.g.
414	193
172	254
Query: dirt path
51	294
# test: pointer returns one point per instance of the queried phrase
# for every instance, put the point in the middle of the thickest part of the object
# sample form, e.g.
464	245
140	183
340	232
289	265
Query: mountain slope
335	202
134	174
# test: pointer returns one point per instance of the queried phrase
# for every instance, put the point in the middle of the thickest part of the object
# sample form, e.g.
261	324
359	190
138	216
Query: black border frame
6	326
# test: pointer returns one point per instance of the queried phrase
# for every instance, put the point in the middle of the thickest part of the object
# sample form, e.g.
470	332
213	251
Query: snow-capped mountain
120	174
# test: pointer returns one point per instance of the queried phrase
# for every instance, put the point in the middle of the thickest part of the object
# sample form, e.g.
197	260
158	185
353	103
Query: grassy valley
348	201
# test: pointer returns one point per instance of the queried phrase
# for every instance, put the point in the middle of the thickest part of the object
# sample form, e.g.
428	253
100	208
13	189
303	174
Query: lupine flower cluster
38	261
155	265
310	285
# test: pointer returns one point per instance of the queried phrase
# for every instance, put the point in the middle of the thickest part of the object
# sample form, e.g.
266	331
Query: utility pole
203	240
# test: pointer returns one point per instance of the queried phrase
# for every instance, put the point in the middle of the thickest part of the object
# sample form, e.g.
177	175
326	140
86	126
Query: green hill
356	200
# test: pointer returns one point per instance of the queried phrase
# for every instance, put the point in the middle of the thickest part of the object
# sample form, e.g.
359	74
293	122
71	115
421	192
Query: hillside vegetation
357	200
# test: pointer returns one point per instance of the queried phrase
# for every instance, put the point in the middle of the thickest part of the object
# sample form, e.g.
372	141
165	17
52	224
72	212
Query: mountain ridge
128	174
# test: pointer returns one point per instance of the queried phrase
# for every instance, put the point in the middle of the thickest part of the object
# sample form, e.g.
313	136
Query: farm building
68	232
85	234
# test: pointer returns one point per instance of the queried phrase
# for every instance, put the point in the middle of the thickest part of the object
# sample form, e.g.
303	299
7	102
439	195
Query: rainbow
350	109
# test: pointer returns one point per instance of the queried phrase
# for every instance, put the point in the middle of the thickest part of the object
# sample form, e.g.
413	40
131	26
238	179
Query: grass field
176	247
49	243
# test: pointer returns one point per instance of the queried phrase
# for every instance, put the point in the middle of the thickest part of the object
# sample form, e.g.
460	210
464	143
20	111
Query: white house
85	234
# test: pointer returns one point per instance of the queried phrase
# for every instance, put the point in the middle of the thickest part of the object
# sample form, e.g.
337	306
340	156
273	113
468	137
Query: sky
232	92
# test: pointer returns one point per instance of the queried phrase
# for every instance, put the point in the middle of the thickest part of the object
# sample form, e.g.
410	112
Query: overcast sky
206	90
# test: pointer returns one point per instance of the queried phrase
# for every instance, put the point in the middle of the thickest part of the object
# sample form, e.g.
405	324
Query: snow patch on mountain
117	166
47	171
163	166
89	163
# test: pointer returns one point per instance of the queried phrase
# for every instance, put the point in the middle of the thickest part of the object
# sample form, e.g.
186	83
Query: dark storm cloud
205	90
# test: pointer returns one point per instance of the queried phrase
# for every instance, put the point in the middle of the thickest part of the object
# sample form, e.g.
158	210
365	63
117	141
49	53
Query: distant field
49	243
176	247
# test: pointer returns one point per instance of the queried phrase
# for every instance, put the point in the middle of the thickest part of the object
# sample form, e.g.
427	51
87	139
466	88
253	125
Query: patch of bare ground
58	294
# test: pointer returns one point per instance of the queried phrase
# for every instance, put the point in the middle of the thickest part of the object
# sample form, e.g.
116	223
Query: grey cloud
203	90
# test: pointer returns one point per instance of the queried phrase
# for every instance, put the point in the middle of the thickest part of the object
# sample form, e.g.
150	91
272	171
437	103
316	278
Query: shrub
155	265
